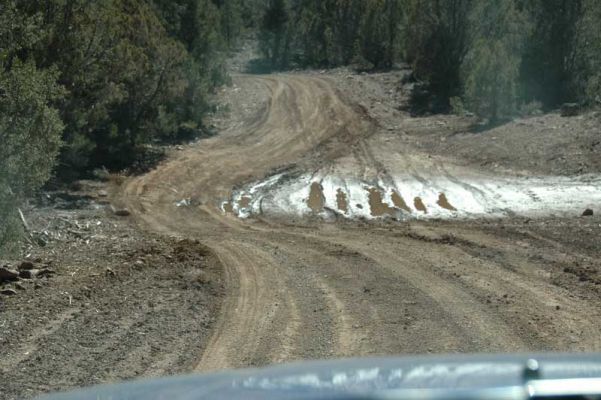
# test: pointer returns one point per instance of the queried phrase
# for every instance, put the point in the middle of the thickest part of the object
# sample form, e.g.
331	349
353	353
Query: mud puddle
341	201
419	205
377	206
399	202
316	200
441	198
444	202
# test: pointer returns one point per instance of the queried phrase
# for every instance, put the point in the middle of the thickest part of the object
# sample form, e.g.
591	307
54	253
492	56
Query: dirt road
320	286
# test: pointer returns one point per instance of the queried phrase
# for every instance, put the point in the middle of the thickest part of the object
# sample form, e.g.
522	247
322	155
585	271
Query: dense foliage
326	33
493	57
85	83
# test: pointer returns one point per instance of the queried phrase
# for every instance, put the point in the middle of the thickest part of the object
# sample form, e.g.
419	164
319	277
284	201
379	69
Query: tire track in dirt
311	289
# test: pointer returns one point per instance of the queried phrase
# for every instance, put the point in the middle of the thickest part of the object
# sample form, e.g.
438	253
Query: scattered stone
102	174
45	272
570	109
20	286
103	193
29	273
183	203
26	265
110	272
588	213
8	275
76	186
8	292
140	263
120	212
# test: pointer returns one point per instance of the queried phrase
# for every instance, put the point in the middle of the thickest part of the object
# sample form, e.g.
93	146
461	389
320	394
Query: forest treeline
492	57
85	84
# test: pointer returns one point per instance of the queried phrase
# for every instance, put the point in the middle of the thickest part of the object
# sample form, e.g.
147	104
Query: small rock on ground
120	212
29	273
8	275
26	265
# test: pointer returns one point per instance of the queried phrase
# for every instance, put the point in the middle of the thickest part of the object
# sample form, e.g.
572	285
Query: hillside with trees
88	84
493	58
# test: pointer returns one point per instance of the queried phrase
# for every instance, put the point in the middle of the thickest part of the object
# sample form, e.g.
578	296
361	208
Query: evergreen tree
111	75
379	34
436	43
231	20
273	35
587	44
30	126
549	57
492	65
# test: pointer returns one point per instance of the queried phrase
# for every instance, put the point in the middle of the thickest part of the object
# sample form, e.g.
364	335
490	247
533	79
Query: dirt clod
8	275
25	265
28	273
121	212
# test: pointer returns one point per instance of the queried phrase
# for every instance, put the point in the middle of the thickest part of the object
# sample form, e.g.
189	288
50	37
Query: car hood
377	378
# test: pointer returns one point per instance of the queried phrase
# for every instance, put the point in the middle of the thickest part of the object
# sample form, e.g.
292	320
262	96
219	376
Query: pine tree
587	43
274	31
492	65
549	57
436	43
30	126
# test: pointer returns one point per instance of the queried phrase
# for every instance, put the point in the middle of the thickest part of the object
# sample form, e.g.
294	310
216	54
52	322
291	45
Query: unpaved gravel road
310	288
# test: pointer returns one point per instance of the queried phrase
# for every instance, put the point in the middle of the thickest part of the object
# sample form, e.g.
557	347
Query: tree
111	75
437	39
231	20
549	59
379	34
274	43
587	43
492	65
30	126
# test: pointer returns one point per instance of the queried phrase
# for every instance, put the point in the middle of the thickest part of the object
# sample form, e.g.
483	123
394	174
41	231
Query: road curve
313	289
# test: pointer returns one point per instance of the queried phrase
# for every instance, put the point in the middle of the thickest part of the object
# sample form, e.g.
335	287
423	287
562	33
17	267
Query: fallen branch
24	222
